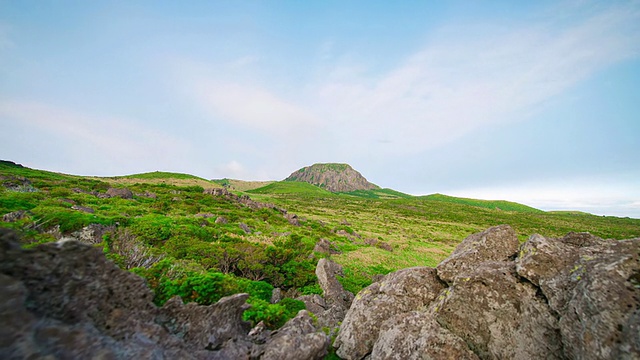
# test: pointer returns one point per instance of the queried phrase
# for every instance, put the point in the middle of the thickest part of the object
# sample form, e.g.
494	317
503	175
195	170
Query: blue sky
536	102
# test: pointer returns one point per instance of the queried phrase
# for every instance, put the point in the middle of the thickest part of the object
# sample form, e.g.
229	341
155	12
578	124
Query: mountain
332	177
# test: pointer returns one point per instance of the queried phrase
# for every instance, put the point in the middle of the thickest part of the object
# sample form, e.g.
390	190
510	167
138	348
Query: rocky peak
332	177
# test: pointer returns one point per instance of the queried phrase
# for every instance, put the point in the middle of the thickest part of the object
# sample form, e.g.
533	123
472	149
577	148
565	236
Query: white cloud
475	76
99	143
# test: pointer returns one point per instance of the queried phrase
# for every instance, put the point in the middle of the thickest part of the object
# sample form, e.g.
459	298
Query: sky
530	101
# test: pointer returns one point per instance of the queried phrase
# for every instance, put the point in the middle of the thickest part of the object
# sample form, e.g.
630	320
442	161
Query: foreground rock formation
574	297
66	301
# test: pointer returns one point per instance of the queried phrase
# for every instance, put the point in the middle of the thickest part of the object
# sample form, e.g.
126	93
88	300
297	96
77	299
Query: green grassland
206	253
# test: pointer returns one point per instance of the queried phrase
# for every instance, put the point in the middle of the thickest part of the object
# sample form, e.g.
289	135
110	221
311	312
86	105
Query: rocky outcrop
396	293
330	308
122	193
332	177
246	201
574	297
65	300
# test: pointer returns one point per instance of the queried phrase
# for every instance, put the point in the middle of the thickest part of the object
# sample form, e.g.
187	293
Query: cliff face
332	177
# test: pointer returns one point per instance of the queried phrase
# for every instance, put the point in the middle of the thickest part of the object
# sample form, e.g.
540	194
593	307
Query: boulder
594	286
416	336
83	209
498	243
332	291
399	292
14	216
92	234
123	193
221	220
66	300
297	339
245	228
498	316
324	246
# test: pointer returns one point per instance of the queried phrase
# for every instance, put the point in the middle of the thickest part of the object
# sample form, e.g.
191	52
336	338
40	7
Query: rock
297	340
68	301
123	193
292	219
276	295
332	177
245	228
399	292
384	246
83	209
221	220
498	316
594	286
498	243
415	336
324	246
92	233
314	303
204	215
574	297
333	292
205	327
14	216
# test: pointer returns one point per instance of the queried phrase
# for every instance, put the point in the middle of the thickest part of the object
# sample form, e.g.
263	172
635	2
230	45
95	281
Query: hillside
181	235
332	177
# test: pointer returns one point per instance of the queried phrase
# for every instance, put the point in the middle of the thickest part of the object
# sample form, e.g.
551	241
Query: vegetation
203	247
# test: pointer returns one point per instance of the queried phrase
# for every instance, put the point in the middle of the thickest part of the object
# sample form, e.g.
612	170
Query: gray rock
245	228
276	295
498	316
498	243
83	209
399	292
594	286
68	301
92	234
297	340
324	246
314	303
416	336
221	220
14	216
332	291
123	193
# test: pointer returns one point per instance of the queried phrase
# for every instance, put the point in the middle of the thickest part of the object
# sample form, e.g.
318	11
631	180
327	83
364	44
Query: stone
14	216
92	234
416	336
123	193
498	316
594	286
498	243
245	228
297	340
83	209
324	246
276	295
221	220
399	292
66	300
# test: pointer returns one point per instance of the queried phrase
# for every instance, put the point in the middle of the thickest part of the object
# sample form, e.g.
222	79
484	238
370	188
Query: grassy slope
291	187
421	230
489	204
241	185
160	177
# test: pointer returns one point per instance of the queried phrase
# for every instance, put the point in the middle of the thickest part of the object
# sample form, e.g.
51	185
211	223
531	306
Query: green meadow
200	246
